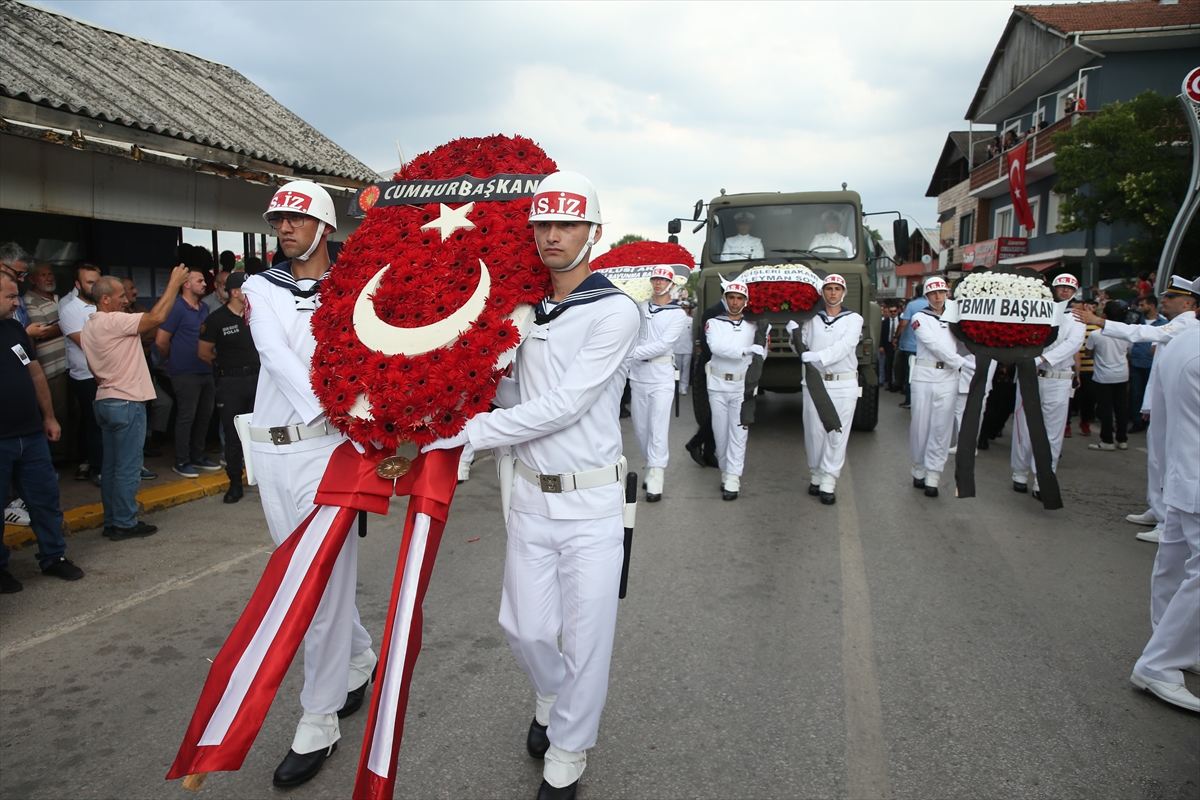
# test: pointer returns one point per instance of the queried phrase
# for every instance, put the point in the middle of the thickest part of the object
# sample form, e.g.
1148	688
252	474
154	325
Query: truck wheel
866	413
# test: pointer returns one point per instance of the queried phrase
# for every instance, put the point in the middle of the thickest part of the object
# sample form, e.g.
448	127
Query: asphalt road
888	646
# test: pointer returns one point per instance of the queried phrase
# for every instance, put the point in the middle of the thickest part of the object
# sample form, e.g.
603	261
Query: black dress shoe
548	792
354	697
1036	494
983	443
918	483
537	743
828	498
234	494
931	491
296	769
728	495
710	460
814	489
139	531
697	453
653	498
1020	487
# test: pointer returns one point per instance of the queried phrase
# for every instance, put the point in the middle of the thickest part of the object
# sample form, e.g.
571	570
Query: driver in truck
742	247
831	238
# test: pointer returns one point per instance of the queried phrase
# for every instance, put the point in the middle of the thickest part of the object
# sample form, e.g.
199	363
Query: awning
947	215
1040	266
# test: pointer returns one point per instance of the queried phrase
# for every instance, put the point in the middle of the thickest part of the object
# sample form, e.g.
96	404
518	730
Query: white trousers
287	484
826	451
960	408
1174	600
728	431
561	577
650	407
1056	397
932	423
683	363
1156	442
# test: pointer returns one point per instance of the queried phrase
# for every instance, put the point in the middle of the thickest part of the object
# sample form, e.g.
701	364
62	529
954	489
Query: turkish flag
1016	186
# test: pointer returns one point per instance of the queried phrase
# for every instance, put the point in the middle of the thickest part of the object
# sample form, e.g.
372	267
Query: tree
627	239
1125	164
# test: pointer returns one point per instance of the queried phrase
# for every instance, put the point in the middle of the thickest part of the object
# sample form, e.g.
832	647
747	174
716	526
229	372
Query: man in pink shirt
112	342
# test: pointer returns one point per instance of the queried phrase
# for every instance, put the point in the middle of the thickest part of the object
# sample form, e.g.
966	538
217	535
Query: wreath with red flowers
1004	334
430	274
638	254
781	296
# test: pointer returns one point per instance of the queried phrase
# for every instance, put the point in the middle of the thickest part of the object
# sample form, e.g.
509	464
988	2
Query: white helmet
835	279
936	284
735	286
1066	280
567	197
305	197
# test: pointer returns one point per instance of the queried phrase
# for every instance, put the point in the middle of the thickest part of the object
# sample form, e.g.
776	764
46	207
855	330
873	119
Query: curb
149	500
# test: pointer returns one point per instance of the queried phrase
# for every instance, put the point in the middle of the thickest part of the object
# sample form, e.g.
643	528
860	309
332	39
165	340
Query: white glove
809	357
755	350
791	326
457	440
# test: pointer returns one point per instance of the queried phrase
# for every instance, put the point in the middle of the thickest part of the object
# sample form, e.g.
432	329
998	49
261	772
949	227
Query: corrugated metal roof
1127	15
63	63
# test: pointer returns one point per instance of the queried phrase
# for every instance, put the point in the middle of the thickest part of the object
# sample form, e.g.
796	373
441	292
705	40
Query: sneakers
84	472
1102	446
148	474
62	568
9	584
1149	536
1085	428
906	405
185	469
204	465
1145	518
16	513
139	531
1122	445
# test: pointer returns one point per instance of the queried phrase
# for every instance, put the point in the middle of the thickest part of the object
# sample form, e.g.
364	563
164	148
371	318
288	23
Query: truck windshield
829	230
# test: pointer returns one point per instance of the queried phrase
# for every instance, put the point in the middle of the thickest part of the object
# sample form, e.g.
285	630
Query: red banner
1016	186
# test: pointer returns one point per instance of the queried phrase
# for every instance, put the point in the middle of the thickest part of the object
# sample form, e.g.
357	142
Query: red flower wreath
422	397
637	254
1004	334
780	296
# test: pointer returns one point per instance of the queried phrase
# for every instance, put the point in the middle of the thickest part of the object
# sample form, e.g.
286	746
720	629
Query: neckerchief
828	320
281	276
594	287
655	309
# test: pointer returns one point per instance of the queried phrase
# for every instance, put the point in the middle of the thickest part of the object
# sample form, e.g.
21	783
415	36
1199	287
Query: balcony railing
1040	146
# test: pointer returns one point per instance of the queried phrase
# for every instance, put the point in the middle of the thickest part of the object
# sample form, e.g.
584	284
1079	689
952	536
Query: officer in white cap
291	443
730	337
830	338
934	387
652	376
832	238
558	411
1055	374
742	247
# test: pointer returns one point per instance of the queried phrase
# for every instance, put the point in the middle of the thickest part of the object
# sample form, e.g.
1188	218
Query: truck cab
820	230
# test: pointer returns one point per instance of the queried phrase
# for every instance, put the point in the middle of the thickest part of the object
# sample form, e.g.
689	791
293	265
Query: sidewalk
83	511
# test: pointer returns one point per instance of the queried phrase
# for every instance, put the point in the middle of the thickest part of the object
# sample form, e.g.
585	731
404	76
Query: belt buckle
551	484
828	376
281	436
940	365
728	376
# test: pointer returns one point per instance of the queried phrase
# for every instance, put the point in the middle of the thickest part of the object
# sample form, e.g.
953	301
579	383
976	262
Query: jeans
194	396
25	461
123	423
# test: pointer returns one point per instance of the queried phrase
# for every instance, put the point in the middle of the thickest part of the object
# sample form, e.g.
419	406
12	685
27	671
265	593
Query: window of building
1004	222
1035	204
1052	201
966	228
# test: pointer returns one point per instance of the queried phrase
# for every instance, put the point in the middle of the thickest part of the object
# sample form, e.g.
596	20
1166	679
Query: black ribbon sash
816	388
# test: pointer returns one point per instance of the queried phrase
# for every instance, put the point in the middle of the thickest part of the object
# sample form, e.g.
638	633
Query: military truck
820	230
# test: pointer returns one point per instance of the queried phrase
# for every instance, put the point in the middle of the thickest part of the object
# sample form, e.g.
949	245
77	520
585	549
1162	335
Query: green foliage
1125	164
627	239
875	235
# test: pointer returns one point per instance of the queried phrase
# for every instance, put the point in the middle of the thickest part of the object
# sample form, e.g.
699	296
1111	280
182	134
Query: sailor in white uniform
742	247
830	339
685	347
559	412
1179	304
652	377
1175	586
730	337
934	389
1055	374
830	237
291	443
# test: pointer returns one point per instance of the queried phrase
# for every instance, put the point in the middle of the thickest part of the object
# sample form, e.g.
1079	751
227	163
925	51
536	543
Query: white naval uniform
833	340
288	477
563	565
832	240
934	390
1175	584
742	248
1054	387
1155	434
652	386
730	343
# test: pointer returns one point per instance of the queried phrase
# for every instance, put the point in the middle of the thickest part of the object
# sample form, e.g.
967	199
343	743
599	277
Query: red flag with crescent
1016	186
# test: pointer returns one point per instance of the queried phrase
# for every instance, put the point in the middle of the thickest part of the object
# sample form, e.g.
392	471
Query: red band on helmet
566	203
290	201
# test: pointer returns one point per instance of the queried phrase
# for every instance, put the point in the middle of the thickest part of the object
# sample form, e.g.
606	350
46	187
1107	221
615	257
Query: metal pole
1191	201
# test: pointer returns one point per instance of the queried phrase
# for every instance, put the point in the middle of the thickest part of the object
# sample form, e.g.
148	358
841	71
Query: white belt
286	434
839	376
723	375
660	360
1061	375
569	482
921	362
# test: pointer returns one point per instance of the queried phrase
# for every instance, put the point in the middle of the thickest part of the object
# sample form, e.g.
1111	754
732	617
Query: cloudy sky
659	103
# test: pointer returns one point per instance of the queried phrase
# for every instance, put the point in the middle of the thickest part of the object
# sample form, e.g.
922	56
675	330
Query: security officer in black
225	342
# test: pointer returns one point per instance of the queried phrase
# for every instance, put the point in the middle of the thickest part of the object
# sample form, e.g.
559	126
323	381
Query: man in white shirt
72	314
730	337
1110	377
831	239
742	247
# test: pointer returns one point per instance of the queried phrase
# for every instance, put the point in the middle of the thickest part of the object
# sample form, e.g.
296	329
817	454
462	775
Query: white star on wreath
451	219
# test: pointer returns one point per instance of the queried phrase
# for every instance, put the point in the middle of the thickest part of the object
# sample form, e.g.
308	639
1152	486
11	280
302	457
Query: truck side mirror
900	239
674	226
673	239
696	211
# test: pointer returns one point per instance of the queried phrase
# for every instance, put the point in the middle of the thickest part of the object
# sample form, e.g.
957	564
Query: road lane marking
75	623
866	754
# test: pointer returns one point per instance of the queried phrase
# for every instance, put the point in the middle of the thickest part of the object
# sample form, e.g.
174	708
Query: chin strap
316	240
582	252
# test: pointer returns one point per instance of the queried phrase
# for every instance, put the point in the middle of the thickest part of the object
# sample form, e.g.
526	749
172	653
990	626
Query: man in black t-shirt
226	344
27	423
